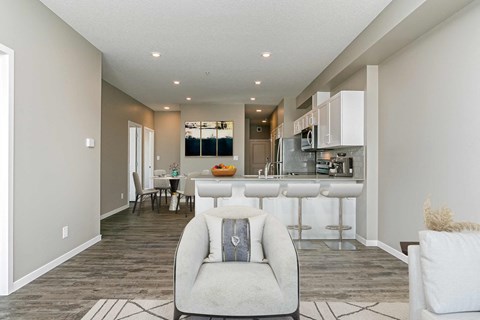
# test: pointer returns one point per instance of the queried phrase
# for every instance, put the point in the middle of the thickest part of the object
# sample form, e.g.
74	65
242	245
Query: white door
148	158
134	156
6	169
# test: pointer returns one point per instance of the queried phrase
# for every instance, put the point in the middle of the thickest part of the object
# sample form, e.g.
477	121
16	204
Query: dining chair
140	193
161	184
189	191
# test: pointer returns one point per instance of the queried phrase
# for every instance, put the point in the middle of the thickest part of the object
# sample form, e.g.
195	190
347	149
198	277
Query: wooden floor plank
134	260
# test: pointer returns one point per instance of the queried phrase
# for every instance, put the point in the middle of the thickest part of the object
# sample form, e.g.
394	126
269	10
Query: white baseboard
54	263
365	242
111	213
375	243
397	254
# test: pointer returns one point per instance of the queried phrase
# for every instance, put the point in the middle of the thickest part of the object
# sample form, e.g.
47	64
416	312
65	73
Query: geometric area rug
119	309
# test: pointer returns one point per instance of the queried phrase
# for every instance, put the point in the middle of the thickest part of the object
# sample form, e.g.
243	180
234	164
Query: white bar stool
341	191
261	190
215	191
301	191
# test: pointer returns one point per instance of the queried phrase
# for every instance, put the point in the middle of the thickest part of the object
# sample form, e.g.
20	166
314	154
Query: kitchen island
317	212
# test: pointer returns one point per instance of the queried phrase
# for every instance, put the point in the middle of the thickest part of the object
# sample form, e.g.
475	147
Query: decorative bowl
224	172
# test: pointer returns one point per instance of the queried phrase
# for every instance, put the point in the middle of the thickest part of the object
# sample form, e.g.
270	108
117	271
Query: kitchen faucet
268	164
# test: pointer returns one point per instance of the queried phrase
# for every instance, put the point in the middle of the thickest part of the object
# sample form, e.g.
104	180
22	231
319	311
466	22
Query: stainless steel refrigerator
290	159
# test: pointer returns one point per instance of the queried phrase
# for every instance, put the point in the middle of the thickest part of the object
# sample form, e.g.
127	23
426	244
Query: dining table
174	182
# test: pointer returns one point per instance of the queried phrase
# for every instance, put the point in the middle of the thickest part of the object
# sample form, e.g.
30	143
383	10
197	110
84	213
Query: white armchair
236	289
444	279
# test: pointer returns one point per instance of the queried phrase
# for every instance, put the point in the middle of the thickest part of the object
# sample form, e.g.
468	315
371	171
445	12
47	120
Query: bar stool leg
300	243
340	245
300	227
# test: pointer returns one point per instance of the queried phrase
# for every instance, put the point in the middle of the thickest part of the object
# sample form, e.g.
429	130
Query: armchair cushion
427	315
231	280
450	264
235	239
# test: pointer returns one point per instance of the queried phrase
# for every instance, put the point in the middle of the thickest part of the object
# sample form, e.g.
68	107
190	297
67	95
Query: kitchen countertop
319	211
318	177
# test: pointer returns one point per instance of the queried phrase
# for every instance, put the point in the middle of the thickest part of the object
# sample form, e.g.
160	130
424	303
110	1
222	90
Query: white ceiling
214	46
257	117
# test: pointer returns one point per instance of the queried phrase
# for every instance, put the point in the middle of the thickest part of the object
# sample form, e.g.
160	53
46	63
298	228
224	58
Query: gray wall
274	119
290	114
429	120
167	138
233	112
265	134
57	106
117	109
366	79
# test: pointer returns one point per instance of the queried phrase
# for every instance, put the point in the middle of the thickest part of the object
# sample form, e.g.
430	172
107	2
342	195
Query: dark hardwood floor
135	260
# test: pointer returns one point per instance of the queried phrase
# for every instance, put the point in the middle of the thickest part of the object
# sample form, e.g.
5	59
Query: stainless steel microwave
309	138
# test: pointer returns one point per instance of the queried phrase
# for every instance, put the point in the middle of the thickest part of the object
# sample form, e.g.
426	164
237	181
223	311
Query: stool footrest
295	227
337	227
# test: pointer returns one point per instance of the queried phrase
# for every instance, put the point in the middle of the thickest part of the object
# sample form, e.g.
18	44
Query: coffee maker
341	166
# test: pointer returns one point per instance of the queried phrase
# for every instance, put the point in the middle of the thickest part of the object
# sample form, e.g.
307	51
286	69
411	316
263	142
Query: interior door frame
149	139
6	168
139	128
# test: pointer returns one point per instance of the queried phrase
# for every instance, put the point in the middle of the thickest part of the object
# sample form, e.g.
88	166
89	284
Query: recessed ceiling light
176	82
188	98
155	54
166	108
264	121
259	110
252	98
266	54
258	82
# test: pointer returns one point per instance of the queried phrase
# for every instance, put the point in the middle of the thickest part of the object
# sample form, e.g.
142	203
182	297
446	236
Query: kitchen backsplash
357	153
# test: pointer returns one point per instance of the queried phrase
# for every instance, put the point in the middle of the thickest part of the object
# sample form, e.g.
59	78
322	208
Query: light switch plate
235	158
65	232
90	143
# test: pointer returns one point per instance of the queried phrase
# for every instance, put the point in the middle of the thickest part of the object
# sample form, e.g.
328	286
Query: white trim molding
397	254
376	243
365	242
7	82
54	263
114	211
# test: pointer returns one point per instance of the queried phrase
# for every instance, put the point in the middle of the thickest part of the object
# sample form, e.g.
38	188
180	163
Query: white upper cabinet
297	126
319	98
341	120
311	118
305	121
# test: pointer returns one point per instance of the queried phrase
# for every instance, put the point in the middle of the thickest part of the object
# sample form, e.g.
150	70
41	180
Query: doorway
6	169
134	156
259	152
148	158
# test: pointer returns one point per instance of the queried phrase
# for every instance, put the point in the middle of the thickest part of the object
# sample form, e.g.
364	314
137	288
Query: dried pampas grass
442	220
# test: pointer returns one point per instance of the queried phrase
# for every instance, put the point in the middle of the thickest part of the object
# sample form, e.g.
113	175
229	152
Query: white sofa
444	276
236	289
